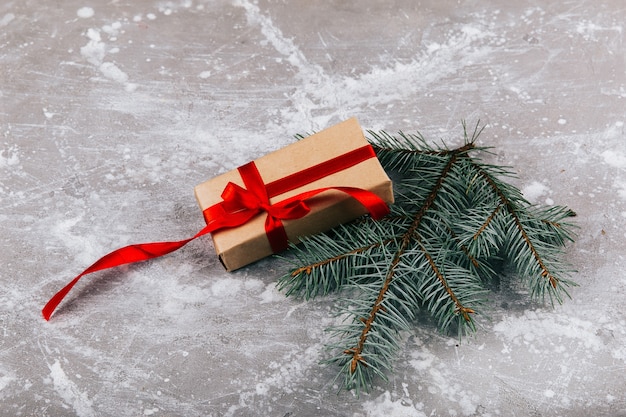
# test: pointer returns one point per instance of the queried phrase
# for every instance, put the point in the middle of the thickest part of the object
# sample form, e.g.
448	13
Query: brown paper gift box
241	245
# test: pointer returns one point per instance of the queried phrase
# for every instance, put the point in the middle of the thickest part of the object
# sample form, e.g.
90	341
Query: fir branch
453	218
521	244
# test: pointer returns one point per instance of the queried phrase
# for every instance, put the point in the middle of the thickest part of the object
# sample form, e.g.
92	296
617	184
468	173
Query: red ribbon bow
239	205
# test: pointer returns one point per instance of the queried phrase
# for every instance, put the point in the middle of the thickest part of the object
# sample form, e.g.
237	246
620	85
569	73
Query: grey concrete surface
111	111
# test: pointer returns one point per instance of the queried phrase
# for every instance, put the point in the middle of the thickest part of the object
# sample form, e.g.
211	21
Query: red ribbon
239	205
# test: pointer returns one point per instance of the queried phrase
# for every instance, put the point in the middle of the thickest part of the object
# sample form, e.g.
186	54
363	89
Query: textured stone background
110	113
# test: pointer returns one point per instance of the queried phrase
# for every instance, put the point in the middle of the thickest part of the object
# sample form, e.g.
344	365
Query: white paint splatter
6	378
48	114
421	360
271	295
253	285
589	30
6	19
130	87
70	392
281	43
311	75
85	12
262	388
614	158
532	329
95	51
533	191
621	189
226	287
9	157
113	29
383	405
440	380
112	72
80	246
285	372
337	96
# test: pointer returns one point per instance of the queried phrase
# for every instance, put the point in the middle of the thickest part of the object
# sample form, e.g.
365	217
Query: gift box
305	188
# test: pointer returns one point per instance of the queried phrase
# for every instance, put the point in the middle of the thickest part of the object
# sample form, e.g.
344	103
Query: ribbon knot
237	199
241	204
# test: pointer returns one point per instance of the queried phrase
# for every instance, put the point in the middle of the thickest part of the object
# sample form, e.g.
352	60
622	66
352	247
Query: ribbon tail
376	206
126	255
276	234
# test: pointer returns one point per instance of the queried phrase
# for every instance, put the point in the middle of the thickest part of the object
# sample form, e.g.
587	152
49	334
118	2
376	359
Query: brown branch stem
307	269
487	222
544	269
464	311
357	351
